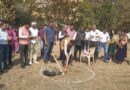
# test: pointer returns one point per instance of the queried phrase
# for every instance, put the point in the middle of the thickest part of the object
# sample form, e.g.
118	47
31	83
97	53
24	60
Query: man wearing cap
33	49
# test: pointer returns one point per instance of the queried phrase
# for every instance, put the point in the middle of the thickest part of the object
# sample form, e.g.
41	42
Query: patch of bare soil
108	76
78	73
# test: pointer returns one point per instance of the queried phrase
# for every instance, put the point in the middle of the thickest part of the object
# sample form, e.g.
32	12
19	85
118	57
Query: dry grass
109	76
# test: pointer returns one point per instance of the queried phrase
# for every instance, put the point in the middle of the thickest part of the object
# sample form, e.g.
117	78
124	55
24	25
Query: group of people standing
8	45
113	44
29	40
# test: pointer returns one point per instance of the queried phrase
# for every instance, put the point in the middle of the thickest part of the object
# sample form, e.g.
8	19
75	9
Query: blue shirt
49	34
3	37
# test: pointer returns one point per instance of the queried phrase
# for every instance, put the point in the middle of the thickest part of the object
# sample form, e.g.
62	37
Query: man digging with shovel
67	48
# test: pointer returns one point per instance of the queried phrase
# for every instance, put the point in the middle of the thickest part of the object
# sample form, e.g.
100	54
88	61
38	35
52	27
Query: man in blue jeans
103	43
49	37
3	48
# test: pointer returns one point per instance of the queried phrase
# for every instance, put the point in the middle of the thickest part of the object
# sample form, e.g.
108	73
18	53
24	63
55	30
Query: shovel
58	64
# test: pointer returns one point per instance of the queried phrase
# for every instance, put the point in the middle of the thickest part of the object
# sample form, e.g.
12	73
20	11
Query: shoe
1	71
71	64
128	62
49	61
10	63
22	66
110	60
75	59
105	61
36	62
7	68
30	63
46	62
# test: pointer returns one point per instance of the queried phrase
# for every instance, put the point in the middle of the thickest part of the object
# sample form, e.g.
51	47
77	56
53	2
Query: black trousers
60	57
94	44
76	50
10	54
24	55
4	52
42	48
1	56
87	44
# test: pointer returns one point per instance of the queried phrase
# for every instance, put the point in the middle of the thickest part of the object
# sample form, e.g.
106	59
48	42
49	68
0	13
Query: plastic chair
88	54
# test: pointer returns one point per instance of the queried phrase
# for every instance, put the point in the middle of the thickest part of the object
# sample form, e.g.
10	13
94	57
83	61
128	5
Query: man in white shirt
33	49
62	34
3	48
103	43
94	39
128	34
87	37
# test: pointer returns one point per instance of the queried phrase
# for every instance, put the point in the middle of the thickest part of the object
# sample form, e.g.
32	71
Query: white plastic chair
88	55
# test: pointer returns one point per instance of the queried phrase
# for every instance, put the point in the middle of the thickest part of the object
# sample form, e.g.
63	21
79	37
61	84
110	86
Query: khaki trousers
33	52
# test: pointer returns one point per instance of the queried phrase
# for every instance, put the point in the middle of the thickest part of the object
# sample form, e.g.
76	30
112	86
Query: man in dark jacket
79	42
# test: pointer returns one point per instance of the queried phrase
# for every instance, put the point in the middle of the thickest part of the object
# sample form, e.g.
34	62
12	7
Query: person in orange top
24	42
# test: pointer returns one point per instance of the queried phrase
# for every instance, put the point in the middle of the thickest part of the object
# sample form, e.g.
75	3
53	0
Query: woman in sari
112	45
121	53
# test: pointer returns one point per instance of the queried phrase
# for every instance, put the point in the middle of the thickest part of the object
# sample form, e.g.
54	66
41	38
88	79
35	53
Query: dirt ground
99	76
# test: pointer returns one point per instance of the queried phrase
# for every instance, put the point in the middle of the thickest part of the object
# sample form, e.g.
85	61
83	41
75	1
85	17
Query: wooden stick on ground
58	64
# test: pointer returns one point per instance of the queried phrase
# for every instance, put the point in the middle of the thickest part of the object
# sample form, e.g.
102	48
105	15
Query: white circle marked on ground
78	73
